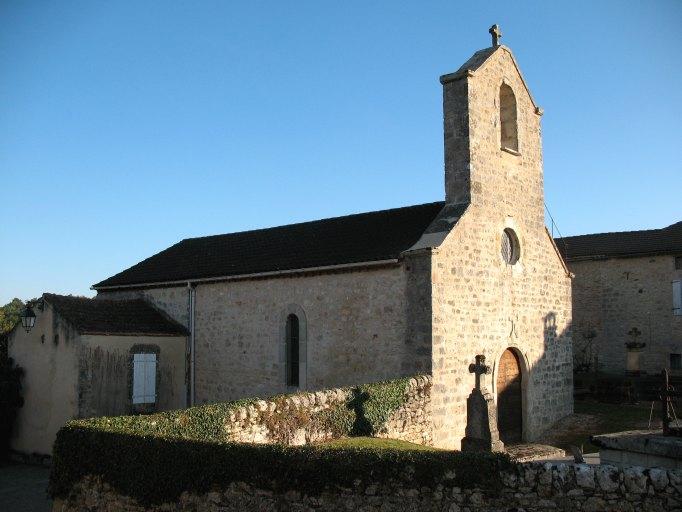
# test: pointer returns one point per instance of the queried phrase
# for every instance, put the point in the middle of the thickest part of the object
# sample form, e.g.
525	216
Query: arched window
508	126
292	350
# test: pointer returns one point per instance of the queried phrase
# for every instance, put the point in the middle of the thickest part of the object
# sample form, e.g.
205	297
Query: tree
9	315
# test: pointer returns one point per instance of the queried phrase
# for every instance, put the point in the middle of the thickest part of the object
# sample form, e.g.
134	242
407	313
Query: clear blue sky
126	126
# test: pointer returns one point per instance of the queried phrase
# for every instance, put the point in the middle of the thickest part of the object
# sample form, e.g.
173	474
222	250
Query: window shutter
150	379
144	378
138	379
677	297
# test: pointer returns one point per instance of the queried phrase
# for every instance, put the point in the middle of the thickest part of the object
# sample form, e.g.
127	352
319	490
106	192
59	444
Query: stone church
378	295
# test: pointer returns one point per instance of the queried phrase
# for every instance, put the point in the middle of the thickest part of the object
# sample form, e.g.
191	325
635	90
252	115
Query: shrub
156	457
156	469
10	401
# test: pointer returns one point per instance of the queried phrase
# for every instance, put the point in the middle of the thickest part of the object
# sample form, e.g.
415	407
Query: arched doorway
509	400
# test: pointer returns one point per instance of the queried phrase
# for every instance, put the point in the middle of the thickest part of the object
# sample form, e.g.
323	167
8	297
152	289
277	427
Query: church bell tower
491	128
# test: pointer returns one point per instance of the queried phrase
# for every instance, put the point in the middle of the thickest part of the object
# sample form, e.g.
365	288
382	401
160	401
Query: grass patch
377	444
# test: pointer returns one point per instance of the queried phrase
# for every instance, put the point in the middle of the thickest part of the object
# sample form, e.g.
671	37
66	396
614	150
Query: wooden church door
509	413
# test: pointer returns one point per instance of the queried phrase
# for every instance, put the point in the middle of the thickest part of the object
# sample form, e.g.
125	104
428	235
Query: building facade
627	300
421	289
86	358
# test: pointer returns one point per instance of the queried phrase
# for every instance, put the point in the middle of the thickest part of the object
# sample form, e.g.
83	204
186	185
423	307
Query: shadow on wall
361	425
531	395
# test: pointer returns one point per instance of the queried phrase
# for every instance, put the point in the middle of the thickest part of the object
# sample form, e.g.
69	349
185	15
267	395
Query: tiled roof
124	317
365	237
623	244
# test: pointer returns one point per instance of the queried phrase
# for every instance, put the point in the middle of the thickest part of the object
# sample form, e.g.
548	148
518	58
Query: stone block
608	478
659	479
635	480
584	476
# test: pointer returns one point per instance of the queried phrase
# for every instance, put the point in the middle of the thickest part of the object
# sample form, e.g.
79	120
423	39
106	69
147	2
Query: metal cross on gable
496	33
479	369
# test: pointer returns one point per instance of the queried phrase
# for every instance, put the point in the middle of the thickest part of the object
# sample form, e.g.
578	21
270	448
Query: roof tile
364	237
125	317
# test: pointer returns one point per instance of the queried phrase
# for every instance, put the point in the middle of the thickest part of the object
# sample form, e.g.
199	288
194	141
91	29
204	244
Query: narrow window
676	361
678	262
292	350
508	128
677	298
144	379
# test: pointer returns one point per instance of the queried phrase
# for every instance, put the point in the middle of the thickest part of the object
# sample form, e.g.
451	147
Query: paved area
526	452
539	452
23	488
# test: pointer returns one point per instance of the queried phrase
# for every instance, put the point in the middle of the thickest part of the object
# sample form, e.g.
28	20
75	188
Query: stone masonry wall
353	330
610	297
481	305
529	487
291	419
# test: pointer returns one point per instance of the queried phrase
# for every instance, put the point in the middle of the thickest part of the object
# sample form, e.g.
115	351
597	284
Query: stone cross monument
481	432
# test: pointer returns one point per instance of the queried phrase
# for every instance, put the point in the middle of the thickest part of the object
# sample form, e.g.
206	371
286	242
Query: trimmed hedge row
156	469
154	458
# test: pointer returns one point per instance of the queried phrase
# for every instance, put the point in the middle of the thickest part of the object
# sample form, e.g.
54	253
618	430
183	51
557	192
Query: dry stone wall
529	487
301	418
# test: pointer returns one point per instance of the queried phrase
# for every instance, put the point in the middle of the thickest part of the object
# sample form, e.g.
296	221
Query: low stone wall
412	421
305	418
529	487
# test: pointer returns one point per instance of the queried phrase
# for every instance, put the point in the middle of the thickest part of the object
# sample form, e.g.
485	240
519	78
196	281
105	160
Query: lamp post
28	317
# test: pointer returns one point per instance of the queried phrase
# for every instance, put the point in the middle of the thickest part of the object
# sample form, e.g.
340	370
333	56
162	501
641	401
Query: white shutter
144	378
138	378
150	379
677	297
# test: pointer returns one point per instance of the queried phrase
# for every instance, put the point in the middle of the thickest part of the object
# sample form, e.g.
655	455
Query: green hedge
156	469
154	458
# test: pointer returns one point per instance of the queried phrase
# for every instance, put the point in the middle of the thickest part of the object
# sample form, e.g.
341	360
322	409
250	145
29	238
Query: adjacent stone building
627	300
87	357
420	289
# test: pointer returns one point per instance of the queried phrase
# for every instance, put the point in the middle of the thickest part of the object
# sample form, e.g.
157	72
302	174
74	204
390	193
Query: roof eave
255	275
601	257
87	332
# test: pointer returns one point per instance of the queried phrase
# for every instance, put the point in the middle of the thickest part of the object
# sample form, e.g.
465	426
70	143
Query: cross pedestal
481	432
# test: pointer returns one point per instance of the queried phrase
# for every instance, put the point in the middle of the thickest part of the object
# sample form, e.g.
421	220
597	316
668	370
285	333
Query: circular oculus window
510	247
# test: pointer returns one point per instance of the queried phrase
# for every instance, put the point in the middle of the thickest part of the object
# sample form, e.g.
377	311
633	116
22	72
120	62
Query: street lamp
28	317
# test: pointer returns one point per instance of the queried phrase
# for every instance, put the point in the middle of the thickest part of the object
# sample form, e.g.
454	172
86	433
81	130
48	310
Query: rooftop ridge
650	230
308	222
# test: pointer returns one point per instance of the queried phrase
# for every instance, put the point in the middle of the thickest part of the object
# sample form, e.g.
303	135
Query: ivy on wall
365	411
10	401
